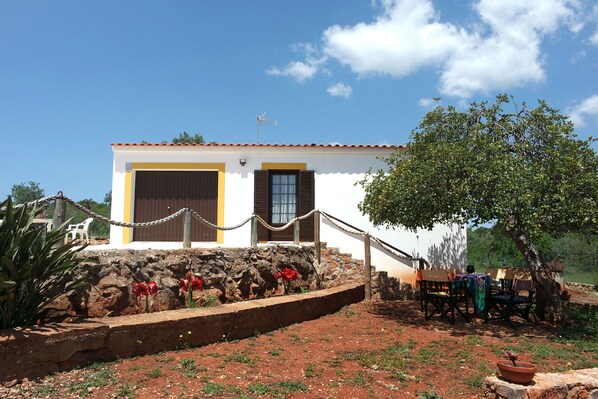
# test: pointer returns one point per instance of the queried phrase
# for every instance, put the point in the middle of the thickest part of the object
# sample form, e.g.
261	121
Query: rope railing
336	222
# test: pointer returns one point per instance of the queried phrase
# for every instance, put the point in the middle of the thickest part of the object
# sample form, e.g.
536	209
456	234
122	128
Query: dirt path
367	350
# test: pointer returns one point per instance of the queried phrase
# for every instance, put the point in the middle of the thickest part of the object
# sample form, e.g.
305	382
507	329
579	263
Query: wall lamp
243	161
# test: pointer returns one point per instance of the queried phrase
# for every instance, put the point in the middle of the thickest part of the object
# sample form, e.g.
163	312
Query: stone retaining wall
34	352
573	384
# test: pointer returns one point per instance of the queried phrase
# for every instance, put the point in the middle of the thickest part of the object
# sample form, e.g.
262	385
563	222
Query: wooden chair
518	299
81	228
444	295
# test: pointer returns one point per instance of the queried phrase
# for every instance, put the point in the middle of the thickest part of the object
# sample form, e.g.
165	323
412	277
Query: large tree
26	192
524	170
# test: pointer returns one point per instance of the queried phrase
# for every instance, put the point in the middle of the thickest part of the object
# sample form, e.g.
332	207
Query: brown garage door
162	193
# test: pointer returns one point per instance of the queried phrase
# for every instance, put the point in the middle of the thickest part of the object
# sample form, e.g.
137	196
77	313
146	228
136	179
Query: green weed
212	388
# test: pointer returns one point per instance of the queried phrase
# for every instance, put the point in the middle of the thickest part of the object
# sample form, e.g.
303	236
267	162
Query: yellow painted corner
127	238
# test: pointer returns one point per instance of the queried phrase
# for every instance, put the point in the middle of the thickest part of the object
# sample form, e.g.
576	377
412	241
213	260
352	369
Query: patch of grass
189	368
392	358
259	389
429	395
474	340
277	389
429	355
239	358
155	373
124	391
101	377
296	338
581	325
581	276
275	352
360	379
212	388
45	390
348	312
476	379
310	371
234	389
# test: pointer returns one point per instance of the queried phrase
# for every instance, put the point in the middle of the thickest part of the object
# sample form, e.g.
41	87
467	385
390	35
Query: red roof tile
373	146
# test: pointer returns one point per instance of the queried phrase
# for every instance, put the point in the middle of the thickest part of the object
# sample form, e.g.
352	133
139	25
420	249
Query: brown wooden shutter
261	201
306	204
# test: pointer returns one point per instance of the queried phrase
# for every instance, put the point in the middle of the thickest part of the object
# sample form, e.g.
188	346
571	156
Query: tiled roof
357	146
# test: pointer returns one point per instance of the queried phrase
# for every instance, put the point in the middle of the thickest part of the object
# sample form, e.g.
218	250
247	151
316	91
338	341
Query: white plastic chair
82	229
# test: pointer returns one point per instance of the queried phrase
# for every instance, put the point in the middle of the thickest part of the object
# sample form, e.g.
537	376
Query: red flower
141	289
152	288
196	283
287	274
183	284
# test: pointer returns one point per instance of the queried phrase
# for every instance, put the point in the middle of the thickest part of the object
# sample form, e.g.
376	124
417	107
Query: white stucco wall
336	172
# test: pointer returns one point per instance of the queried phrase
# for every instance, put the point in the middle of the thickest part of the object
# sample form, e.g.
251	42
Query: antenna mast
261	120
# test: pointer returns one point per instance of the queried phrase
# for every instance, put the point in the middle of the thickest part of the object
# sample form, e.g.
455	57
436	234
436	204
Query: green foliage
35	267
491	247
96	228
185	138
26	192
525	169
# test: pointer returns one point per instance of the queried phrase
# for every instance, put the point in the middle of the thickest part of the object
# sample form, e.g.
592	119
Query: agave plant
35	266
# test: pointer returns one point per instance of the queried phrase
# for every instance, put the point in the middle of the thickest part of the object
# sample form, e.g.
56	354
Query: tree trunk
548	300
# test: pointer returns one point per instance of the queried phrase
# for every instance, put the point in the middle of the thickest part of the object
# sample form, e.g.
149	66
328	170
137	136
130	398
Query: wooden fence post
254	231
59	213
187	229
368	267
296	228
317	243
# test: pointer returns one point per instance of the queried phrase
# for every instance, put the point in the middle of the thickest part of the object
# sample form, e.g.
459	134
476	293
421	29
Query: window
280	196
284	197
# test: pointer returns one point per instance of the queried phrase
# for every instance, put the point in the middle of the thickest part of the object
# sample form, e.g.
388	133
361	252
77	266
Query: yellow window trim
283	166
220	167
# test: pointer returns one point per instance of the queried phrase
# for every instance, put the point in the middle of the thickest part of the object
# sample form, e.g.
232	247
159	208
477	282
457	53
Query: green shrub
35	266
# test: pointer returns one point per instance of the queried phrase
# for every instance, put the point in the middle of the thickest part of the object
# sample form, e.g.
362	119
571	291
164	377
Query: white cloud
340	90
426	102
502	51
587	109
594	39
300	71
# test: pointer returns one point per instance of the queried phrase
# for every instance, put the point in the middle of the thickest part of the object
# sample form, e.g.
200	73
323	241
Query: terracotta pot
521	374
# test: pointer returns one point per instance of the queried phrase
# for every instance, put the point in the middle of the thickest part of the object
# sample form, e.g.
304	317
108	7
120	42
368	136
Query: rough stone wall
32	352
229	274
391	288
573	384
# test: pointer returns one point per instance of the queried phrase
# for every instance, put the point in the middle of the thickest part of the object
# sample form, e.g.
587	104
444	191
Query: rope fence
337	223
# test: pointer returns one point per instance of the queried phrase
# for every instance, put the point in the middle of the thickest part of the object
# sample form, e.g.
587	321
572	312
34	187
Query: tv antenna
261	120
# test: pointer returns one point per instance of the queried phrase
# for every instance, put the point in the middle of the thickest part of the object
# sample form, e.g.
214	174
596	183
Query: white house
227	183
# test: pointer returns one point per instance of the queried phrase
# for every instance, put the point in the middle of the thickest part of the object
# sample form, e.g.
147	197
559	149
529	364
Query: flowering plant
287	274
146	290
512	356
188	284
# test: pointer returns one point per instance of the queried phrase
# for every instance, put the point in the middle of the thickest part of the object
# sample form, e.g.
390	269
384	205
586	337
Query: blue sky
76	76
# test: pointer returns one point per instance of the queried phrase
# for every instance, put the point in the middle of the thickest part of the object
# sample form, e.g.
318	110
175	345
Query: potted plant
514	371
